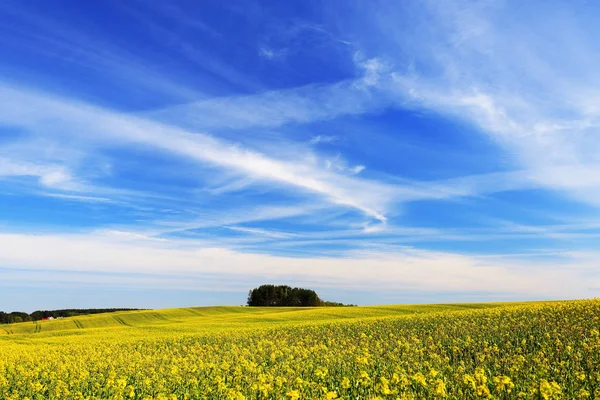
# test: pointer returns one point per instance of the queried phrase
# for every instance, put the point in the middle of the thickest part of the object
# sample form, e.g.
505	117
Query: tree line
286	296
18	316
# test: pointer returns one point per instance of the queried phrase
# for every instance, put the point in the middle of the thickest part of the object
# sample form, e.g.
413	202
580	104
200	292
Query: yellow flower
345	383
420	379
483	391
364	378
440	389
503	384
469	381
549	390
321	373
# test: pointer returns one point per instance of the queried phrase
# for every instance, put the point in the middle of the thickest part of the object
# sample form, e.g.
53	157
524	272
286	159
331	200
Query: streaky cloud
85	122
527	81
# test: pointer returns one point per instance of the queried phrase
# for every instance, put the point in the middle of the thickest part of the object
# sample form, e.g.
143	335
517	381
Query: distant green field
203	319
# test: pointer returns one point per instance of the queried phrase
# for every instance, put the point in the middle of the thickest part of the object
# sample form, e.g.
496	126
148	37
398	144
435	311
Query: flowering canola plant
506	351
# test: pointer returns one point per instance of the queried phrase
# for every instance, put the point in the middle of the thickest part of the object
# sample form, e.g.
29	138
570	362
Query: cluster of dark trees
336	304
283	295
17	316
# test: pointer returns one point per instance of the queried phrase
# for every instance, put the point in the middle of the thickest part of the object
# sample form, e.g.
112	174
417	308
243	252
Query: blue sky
162	154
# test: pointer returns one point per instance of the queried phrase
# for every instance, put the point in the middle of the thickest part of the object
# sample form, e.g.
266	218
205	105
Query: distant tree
16	316
281	296
308	298
37	315
334	304
3	318
20	316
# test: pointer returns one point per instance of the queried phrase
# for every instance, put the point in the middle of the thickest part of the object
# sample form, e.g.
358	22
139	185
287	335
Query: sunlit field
468	351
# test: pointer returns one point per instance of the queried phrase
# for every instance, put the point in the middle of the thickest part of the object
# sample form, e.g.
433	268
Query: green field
206	319
544	350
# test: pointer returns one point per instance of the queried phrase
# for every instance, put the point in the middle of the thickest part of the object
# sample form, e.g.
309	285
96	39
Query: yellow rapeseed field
495	351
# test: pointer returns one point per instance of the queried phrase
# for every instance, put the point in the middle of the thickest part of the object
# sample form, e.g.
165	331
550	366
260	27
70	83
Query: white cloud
53	176
338	164
299	105
527	81
266	52
357	169
76	197
50	38
374	228
127	235
233	185
270	53
227	217
262	232
373	69
402	269
70	120
332	179
323	139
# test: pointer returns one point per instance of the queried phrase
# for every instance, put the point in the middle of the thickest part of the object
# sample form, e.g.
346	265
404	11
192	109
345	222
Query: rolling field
465	351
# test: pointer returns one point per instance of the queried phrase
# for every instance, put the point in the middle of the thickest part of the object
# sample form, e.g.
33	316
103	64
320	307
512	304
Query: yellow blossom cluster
527	351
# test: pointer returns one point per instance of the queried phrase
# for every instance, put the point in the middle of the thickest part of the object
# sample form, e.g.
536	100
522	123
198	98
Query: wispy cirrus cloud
506	74
271	54
53	176
330	178
63	42
299	105
262	232
85	122
324	139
